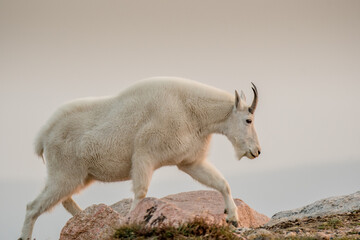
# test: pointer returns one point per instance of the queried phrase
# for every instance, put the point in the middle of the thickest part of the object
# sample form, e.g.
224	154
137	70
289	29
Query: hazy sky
304	57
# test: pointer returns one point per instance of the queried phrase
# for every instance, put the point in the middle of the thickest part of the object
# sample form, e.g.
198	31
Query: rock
95	222
324	207
123	206
290	235
243	230
323	236
100	221
154	212
186	206
261	234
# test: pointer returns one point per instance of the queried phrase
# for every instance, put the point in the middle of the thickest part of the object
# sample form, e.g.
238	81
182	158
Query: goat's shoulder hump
161	84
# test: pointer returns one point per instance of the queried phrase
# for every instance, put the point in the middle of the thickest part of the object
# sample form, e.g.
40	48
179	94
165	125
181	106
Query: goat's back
110	124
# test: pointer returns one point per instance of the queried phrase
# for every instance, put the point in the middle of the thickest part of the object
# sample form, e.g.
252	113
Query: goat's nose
259	152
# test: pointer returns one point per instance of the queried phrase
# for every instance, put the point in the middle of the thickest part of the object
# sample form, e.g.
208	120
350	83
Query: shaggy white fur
156	122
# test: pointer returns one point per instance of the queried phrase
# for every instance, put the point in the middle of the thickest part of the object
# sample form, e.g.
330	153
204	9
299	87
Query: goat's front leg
208	175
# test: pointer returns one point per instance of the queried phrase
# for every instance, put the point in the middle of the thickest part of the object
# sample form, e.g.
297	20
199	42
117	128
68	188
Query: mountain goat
156	122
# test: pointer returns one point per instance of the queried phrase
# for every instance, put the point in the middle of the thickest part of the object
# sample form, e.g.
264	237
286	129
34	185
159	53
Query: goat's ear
242	96
237	100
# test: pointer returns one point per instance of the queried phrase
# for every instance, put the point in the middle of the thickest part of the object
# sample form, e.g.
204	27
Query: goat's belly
110	170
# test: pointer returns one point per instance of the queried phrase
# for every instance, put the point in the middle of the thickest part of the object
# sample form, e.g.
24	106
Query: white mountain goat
156	122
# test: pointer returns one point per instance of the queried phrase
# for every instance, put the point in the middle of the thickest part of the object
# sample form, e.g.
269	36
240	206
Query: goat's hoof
225	211
232	222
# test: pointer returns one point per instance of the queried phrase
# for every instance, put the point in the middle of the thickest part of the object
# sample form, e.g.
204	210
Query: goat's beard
240	154
239	151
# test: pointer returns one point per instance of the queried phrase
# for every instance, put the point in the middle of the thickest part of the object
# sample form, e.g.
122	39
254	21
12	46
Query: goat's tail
39	146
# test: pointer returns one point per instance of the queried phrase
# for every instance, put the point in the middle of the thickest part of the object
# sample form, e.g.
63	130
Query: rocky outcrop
335	217
324	207
100	221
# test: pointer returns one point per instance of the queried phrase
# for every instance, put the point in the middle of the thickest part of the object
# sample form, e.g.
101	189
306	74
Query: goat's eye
248	121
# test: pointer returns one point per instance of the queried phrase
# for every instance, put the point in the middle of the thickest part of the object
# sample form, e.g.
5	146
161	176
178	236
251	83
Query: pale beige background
304	56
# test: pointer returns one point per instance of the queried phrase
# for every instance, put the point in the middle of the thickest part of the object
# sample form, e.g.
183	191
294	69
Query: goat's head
240	127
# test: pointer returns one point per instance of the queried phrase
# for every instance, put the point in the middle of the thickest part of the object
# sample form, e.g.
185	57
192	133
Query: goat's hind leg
54	192
71	206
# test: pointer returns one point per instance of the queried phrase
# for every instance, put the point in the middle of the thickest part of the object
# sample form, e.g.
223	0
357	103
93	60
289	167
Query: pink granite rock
95	222
211	203
185	206
153	212
100	221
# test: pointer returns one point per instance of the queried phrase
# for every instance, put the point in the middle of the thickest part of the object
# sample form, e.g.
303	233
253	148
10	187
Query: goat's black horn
255	100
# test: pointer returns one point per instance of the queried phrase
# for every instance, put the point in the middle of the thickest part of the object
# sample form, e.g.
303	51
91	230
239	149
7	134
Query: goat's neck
214	115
